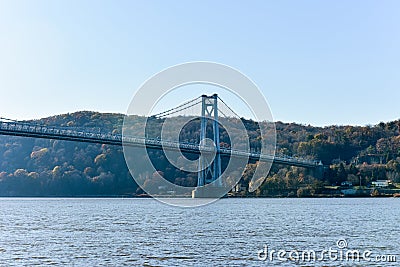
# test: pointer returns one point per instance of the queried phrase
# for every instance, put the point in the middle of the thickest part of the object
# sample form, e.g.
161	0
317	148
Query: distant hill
40	167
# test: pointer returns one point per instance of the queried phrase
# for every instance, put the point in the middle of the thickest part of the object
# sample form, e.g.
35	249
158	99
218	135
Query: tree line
41	167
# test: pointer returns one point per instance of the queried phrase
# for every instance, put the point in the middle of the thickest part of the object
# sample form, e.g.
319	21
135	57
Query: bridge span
22	129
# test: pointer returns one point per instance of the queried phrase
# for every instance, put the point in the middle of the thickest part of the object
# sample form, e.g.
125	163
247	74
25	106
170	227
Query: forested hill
40	167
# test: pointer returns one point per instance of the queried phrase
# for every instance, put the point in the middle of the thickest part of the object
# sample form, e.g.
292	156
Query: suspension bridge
210	111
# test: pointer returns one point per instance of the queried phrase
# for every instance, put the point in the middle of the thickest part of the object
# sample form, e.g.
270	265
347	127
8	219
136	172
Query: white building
381	183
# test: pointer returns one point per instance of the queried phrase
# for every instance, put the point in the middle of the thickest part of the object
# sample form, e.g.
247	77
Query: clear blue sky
317	62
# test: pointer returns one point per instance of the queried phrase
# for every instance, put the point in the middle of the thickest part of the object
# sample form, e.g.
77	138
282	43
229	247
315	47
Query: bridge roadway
47	132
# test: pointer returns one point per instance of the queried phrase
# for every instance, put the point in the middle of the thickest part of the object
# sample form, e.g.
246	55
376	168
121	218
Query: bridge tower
209	116
208	184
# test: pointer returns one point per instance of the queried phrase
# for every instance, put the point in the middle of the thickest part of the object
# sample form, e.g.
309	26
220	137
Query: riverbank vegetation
356	157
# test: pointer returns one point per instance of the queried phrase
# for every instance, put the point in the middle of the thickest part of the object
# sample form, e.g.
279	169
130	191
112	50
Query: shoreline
187	197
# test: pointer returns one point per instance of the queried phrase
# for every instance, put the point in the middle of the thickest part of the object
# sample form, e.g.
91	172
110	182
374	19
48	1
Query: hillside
39	167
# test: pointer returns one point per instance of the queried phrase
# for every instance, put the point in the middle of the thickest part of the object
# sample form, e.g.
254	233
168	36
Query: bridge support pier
209	191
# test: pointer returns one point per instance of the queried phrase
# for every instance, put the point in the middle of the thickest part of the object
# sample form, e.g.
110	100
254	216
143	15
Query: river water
229	232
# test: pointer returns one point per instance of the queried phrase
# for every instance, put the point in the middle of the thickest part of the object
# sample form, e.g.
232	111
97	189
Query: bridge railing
48	130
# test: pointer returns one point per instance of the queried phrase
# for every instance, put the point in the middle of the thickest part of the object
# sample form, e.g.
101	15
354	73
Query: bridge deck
48	132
